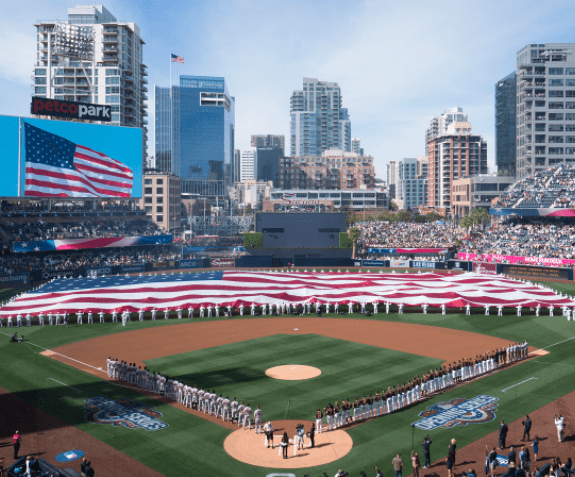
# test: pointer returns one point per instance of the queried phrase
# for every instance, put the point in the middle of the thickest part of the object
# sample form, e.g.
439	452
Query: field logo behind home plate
458	412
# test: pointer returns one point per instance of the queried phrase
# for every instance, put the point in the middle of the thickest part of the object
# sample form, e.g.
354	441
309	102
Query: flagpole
19	157
171	125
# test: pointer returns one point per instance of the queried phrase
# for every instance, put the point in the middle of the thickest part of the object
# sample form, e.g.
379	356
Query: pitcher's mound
293	372
250	448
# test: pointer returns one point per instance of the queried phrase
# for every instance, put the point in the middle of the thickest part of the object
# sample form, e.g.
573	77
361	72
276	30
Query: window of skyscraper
556	71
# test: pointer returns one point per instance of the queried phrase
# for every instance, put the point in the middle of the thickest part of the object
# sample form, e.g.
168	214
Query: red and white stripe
238	287
96	175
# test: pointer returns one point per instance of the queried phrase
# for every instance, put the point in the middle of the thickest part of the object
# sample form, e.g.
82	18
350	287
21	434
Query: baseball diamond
160	427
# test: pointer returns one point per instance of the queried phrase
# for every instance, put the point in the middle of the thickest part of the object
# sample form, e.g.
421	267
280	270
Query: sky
397	63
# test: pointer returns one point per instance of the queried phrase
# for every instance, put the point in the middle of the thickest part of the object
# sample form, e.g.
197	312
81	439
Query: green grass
347	370
193	446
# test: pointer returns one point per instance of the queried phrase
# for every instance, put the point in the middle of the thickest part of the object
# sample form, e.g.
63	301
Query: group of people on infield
434	381
189	396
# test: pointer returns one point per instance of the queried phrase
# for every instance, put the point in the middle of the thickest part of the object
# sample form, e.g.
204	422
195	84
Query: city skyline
416	71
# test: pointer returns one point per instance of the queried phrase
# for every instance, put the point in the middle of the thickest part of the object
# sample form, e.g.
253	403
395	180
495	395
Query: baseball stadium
445	354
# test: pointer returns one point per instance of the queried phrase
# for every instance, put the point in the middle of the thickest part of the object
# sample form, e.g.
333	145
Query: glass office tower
195	127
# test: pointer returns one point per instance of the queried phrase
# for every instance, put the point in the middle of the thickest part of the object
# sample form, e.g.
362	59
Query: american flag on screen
177	59
235	288
56	167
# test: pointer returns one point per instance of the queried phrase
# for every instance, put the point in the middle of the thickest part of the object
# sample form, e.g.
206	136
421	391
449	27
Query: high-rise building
267	166
421	166
334	169
237	155
344	130
439	124
316	114
452	155
269	140
248	164
94	58
195	123
356	146
505	96
410	189
545	120
392	178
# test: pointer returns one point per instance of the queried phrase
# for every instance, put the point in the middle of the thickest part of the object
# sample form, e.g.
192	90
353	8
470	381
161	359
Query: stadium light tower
67	43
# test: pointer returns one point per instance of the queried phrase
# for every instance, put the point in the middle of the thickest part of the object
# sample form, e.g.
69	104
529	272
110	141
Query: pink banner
467	256
555	262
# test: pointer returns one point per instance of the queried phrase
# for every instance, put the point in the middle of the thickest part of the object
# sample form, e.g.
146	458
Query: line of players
435	381
191	397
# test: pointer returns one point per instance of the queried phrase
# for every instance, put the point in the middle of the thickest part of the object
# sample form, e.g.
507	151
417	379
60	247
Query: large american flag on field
56	167
235	288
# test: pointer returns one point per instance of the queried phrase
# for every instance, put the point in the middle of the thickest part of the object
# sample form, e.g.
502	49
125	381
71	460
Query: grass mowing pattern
192	446
348	370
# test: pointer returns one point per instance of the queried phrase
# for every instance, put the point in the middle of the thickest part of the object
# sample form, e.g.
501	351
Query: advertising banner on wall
15	278
422	264
375	263
537	272
71	109
195	263
69	159
399	263
458	265
486	268
222	262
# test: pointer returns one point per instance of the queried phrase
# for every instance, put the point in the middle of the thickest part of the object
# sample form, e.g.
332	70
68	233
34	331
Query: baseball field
55	391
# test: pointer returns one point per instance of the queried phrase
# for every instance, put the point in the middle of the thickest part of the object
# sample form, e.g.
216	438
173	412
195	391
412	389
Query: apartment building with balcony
334	169
455	154
92	57
438	124
545	112
318	121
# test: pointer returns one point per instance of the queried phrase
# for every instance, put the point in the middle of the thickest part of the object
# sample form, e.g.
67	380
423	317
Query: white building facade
93	58
411	190
248	164
545	106
438	124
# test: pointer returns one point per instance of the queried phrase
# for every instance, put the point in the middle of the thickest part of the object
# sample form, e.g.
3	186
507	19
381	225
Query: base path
249	447
46	436
141	345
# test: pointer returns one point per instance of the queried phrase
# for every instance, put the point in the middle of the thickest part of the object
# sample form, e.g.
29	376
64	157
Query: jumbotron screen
70	159
300	229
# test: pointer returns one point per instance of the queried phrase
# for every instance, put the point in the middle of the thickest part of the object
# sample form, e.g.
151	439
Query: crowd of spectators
66	260
551	188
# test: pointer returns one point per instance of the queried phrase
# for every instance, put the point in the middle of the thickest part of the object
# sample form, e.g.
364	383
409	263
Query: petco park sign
71	109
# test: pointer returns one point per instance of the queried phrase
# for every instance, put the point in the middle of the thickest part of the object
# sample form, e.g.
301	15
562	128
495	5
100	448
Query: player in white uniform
166	314
202	310
219	404
28	319
141	314
258	415
217	308
115	317
234	405
468	309
50	319
241	415
210	308
242	310
101	317
248	416
190	312
154	314
226	408
179	310
180	392
40	318
124	319
18	320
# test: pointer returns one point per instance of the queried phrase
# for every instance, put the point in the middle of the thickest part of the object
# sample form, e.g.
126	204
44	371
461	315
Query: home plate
296	329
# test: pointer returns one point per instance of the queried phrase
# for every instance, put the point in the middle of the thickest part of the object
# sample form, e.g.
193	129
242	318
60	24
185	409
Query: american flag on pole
177	59
235	288
56	167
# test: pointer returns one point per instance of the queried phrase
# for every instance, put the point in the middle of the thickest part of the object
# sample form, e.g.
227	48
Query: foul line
59	354
559	342
67	385
503	390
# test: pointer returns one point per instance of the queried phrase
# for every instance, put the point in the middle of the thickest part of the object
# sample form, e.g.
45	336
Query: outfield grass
193	446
